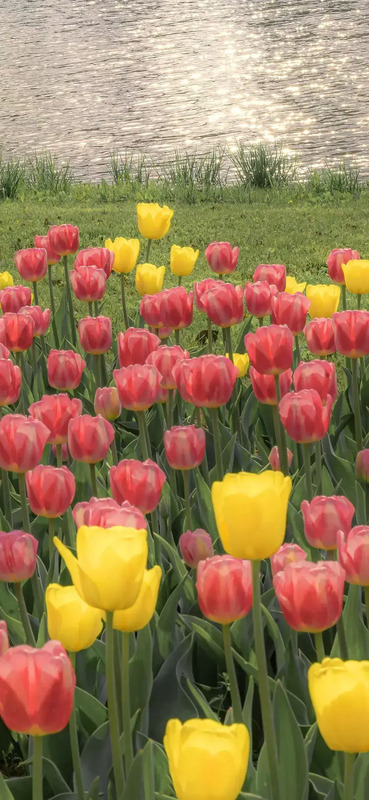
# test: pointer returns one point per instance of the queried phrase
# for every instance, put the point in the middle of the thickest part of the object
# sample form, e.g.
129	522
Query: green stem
74	746
30	639
265	701
366	595
37	793
51	550
210	336
297	351
358	302
93	480
318	466
124	304
19	357
356	399
23	499
342	640
349	778
217	444
53	307
128	747
149	775
186	481
113	708
179	280
232	677
170	407
283	458
96	308
35	293
114	452
261	321
177	336
142	433
277	430
7	497
37	388
344	299
319	646
96	363
69	300
59	455
90	309
148	248
309	485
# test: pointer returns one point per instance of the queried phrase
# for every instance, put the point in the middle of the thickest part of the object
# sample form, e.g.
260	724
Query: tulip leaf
201	701
5	792
247	796
362	776
293	763
277	638
178	567
141	675
169	697
96	759
21	788
167	634
53	776
341	470
205	505
356	631
134	781
90	706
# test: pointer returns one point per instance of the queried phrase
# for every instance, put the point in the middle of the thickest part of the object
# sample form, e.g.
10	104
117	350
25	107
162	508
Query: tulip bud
310	595
362	466
150	310
324	517
63	239
270	349
353	554
31	263
324	300
351	333
125	253
64	369
274	458
22	441
224	304
50	490
16	331
89	438
343	720
138	386
149	279
195	546
182	260
18	556
13	298
336	259
184	446
107	403
241	361
64	452
6	279
319	335
221	258
224	588
135	345
138	482
356	274
95	334
275	274
153	220
291	310
56	411
258	298
176	308
98	257
107	513
88	283
304	416
287	554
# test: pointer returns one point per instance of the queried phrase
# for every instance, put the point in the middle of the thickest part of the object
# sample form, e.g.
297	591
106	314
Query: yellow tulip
292	286
324	299
182	259
110	565
357	276
153	220
207	760
6	279
241	361
125	253
149	279
140	614
69	619
339	692
250	512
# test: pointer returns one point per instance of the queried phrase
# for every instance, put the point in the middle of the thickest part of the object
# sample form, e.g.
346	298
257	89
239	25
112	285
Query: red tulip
275	274
164	333
99	257
106	513
362	466
135	345
176	308
224	304
270	349
10	382
18	556
200	288
221	258
52	256
310	595
353	554
16	331
274	458
64	452
95	334
319	335
63	239
4	639
36	689
88	283
335	260
150	310
258	298
288	553
264	386
31	263
324	517
40	318
64	369
50	490
56	411
351	333
22	440
184	446
138	386
139	482
89	438
290	310
206	381
224	588
164	359
107	403
4	352
318	375
195	546
13	298
304	416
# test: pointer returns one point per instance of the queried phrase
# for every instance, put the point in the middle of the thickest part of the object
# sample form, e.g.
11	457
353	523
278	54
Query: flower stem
217	444
309	485
93	480
113	707
30	639
261	322
170	407
142	433
148	248
128	748
59	455
318	466
73	735
114	452
177	337
349	779
358	302
37	388
53	308
232	677
37	793
283	459
35	293
7	497
124	304
37	593
343	296
319	646
297	350
69	300
366	595
356	399
210	336
51	551
186	481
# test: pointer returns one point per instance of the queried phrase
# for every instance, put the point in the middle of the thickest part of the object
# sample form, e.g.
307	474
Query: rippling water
84	77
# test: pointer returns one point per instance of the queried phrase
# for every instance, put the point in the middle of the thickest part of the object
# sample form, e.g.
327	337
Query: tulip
88	283
318	375
135	345
274	458
16	331
362	466
153	220
107	513
241	361
200	288
184	446
110	565
139	482
139	615
224	304
4	639
4	352
99	257
107	403
22	440
164	359
304	416
149	279
356	274
40	318
292	286
176	308
6	279
291	310
10	382
52	256
95	334
353	554
56	411
138	386
64	369
18	556
287	554
275	274
125	253
182	260
89	438
50	490
270	349
13	298
195	546
319	335
36	689
31	263
69	619
336	259
63	239
164	333
264	386
339	692
351	333
224	588
150	310
250	512
206	381
324	299
221	258
310	595
324	517
258	298
63	450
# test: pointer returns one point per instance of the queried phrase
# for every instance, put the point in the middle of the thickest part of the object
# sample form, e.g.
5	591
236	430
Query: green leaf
20	787
167	633
96	759
141	674
5	792
341	470
356	631
293	763
53	776
275	633
169	697
178	566
205	505
201	701
134	783
90	706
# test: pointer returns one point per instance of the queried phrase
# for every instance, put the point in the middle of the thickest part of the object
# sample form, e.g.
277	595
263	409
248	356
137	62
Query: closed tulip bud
270	349
99	257
324	517
200	288
310	595
195	747
351	333
176	308
88	283
184	446
50	490
164	333
289	553
221	257
31	263
241	361
16	331
292	286
110	565
125	254
64	369
107	403
18	556
13	298
206	381
70	620
182	260
318	375
139	615
362	466
135	345
95	334
63	239
291	310
195	546
319	335
264	386
339	692
356	274
4	639
224	588
52	256
6	279
164	359
274	458
107	513
150	310
139	482
138	386
4	352
224	304
149	279
89	438
324	300
10	382
258	298
353	554
275	274
55	411
153	220
336	259
64	452
22	441
304	416
40	318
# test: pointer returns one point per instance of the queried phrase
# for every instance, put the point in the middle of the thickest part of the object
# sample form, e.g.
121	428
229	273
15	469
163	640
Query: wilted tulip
139	482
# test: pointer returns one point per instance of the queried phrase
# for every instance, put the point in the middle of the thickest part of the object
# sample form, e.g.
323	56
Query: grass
263	165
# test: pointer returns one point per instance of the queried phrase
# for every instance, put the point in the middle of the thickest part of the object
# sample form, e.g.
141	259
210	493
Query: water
85	77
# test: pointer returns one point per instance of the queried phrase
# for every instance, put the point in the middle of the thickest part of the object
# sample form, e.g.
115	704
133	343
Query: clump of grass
191	174
44	174
263	165
344	178
129	169
11	177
